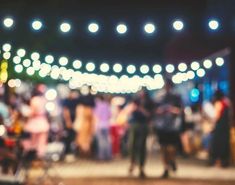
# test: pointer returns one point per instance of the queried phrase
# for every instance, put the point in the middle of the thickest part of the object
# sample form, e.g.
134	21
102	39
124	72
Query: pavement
115	172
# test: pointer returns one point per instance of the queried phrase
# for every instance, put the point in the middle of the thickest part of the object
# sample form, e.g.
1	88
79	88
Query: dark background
196	41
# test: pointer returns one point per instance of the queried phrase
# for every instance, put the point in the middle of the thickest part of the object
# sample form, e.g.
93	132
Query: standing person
168	125
103	114
138	132
219	147
4	111
37	124
69	107
84	123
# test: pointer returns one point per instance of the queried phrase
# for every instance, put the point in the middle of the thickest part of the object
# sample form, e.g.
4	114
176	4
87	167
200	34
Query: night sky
165	46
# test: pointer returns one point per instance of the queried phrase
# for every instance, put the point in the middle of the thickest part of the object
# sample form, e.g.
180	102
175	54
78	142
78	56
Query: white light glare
65	27
77	64
178	25
30	71
8	22
26	63
90	66
104	67
219	61
117	68
63	61
195	65
6	55
213	24
49	59
131	69
190	75
18	68
144	69
93	27
207	64
149	28
21	52
157	68
201	72
36	25
182	67
51	94
170	68
3	130
121	28
35	56
16	59
50	106
6	47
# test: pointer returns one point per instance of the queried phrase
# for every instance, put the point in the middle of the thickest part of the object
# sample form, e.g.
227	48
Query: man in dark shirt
168	124
69	109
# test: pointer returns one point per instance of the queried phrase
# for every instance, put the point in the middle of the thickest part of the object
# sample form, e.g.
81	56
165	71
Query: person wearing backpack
168	123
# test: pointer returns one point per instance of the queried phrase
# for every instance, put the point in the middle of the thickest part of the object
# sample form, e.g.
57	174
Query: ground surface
190	171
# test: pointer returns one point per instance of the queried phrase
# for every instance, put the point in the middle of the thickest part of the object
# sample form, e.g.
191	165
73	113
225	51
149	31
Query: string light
63	61
121	28
117	68
149	28
106	83
207	64
157	68
36	25
213	24
178	25
21	52
8	22
93	27
65	27
170	68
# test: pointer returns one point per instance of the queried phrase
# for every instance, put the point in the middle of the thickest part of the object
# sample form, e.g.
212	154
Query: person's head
143	93
100	97
168	84
73	94
219	95
136	102
38	90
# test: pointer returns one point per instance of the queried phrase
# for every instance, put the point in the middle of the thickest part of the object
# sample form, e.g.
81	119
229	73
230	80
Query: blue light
224	86
194	95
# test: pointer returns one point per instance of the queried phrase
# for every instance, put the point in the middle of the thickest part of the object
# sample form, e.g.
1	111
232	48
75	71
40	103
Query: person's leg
186	143
68	140
100	143
171	150
211	149
132	146
142	149
107	149
41	143
165	159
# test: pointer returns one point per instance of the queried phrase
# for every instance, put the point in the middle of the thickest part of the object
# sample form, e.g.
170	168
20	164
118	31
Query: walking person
138	131
168	124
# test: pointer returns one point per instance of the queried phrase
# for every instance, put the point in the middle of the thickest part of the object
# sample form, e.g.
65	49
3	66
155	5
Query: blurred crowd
105	126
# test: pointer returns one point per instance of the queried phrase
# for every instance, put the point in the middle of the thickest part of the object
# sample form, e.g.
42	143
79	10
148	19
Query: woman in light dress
37	124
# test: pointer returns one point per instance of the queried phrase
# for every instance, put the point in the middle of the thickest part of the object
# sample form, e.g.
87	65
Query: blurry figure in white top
192	128
103	115
37	124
